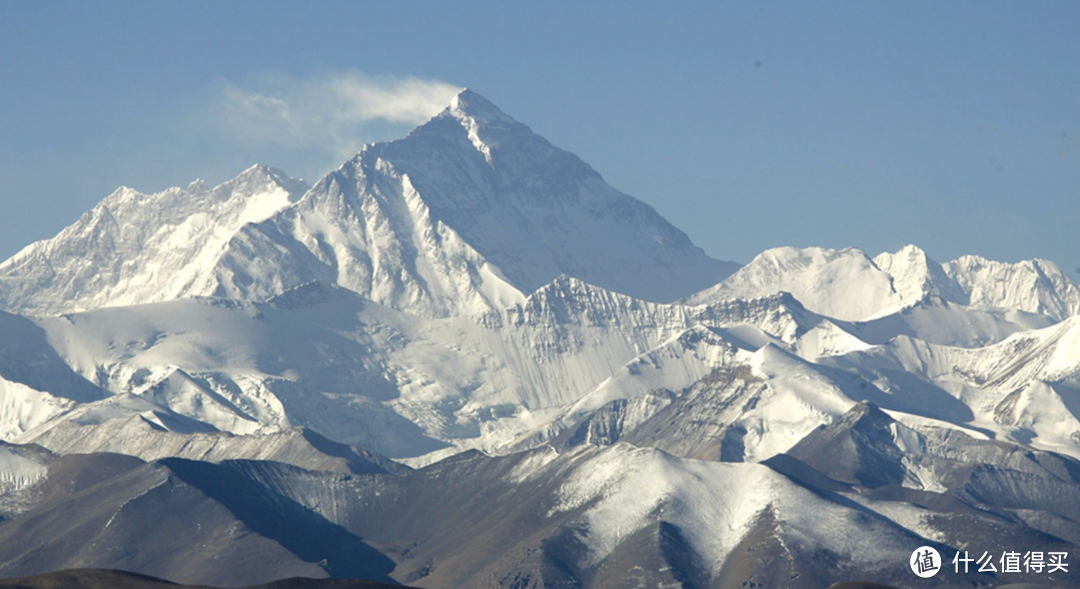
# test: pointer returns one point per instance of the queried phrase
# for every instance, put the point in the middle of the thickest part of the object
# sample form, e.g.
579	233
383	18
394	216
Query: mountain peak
840	283
138	248
1036	286
916	276
263	174
486	125
472	105
466	213
864	414
912	251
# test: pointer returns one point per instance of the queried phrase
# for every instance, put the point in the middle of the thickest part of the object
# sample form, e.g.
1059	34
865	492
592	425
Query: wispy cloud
331	112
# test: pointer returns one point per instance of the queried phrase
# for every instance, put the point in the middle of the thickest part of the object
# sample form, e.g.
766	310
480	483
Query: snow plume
338	110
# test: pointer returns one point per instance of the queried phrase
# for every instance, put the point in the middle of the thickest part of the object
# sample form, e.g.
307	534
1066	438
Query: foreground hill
851	501
110	579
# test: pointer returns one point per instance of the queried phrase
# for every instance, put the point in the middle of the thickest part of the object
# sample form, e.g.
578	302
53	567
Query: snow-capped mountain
844	284
320	356
916	276
938	321
1035	286
234	363
847	284
137	248
468	213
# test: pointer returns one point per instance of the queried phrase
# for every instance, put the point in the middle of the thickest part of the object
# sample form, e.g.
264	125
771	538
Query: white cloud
329	112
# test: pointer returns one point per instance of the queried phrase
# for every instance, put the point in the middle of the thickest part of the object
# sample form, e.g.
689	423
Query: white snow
842	284
136	248
473	286
623	488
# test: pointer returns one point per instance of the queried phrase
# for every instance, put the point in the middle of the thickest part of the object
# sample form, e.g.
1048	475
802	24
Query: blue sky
952	125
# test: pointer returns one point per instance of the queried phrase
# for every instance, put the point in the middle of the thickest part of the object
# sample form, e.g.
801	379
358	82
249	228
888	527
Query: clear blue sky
952	125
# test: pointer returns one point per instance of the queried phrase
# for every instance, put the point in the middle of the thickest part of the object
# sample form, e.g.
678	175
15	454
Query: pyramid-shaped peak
263	171
490	131
261	175
260	170
470	105
865	412
912	251
475	111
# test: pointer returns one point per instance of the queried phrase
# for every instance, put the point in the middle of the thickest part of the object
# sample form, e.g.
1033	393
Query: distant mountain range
463	360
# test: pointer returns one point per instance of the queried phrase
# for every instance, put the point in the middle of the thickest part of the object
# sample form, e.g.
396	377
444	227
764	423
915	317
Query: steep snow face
842	284
462	216
827	339
846	285
751	411
1051	354
1025	388
1042	412
36	383
323	357
622	489
748	408
367	228
536	211
672	366
937	321
137	248
19	467
916	276
1036	286
23	408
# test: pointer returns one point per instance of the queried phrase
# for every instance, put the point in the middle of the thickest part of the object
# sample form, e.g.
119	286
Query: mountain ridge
582	397
463	215
848	284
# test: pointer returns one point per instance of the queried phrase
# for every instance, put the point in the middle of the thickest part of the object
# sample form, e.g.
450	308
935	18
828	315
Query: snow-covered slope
748	409
915	276
137	248
847	285
36	383
1050	354
843	284
1025	388
938	321
472	287
753	408
672	366
322	357
131	425
1035	286
466	214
